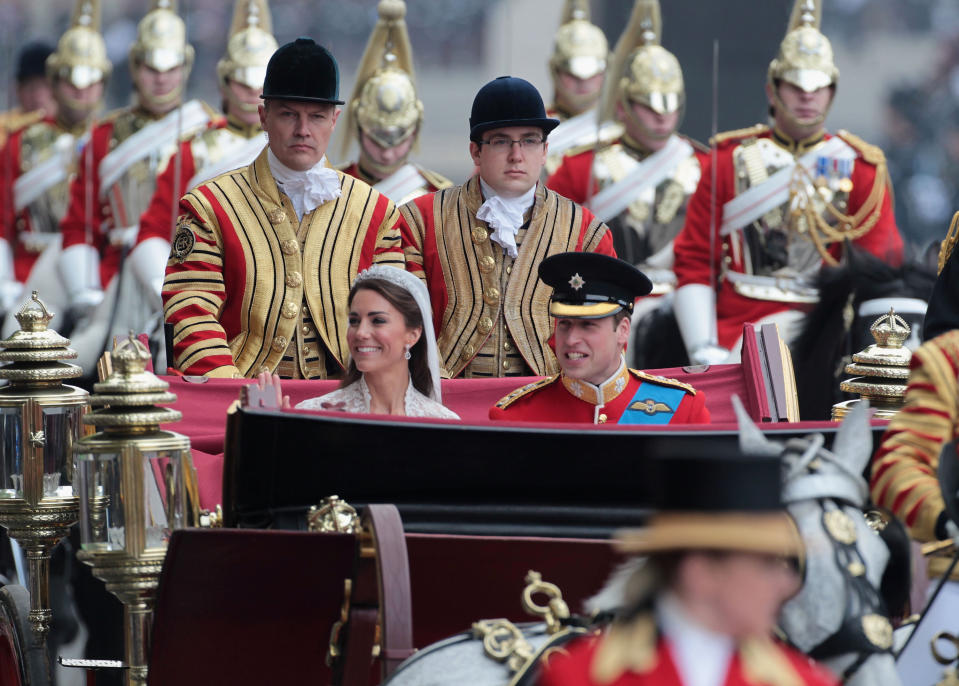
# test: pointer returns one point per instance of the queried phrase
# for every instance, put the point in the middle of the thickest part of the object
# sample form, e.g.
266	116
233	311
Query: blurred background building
899	63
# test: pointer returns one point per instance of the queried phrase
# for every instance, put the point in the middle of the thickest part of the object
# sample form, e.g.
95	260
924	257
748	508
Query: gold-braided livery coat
904	469
466	272
242	269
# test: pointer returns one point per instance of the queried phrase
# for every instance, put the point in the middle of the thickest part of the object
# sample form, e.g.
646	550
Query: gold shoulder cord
949	242
848	227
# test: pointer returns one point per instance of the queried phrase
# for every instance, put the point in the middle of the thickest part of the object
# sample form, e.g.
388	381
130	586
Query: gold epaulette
508	400
949	242
14	121
748	132
873	154
639	374
434	179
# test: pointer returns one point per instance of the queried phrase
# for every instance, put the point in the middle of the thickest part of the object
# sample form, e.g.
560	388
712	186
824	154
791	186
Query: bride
394	364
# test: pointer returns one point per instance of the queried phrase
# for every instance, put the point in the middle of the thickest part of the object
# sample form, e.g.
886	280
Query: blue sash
653	404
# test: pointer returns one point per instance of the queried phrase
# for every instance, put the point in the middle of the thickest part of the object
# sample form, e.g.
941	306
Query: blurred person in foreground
786	200
592	300
264	256
385	115
700	610
479	245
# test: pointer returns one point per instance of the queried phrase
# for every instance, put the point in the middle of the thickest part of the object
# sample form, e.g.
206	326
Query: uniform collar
241	129
603	394
797	147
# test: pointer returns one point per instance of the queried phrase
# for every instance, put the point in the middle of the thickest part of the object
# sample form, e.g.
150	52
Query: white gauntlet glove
695	308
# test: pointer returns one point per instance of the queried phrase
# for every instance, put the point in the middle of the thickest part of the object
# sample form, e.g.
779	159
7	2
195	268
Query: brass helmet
81	54
580	49
805	56
250	46
384	104
642	70
161	44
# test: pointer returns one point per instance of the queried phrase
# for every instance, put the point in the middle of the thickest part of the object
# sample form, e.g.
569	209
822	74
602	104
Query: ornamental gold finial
130	356
33	316
890	330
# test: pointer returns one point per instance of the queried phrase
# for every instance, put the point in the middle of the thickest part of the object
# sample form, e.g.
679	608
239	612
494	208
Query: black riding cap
508	101
303	71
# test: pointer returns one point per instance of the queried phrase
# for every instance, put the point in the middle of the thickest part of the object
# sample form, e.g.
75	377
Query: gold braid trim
748	132
949	242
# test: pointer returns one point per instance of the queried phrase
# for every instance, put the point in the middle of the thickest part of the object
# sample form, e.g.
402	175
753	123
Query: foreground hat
724	504
590	286
32	60
303	71
508	101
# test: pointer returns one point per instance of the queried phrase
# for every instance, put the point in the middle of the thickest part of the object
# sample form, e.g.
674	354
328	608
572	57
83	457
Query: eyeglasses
504	143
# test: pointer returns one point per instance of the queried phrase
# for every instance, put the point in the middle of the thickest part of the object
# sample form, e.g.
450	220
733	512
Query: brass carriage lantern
40	421
132	481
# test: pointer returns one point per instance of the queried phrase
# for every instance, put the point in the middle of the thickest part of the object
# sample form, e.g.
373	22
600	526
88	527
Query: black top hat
508	101
32	61
304	71
590	286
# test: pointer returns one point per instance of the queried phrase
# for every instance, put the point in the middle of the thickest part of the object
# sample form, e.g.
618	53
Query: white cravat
504	215
701	656
308	189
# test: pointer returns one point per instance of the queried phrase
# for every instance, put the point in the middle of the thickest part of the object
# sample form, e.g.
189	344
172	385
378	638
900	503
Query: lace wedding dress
356	398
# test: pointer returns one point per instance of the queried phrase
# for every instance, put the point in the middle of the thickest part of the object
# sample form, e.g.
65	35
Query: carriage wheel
23	661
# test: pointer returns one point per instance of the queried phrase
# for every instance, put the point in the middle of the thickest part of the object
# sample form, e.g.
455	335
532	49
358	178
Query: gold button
485	325
277	216
306	330
307	350
505	364
290	310
280	343
469	350
294	279
506	346
487	264
602	419
491	295
289	247
479	235
509	269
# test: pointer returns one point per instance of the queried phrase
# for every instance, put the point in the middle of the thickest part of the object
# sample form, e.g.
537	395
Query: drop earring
407	353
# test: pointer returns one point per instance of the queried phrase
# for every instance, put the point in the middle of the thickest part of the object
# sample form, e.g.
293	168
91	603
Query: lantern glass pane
11	452
62	427
98	486
163	490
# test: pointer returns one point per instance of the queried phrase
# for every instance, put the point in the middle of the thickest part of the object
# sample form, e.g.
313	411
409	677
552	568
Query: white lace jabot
355	398
307	190
504	215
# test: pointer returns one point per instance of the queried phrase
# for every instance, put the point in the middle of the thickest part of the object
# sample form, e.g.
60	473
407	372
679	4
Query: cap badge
576	282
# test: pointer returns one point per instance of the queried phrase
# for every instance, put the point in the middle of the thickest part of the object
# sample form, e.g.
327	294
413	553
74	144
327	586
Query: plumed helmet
81	54
508	101
304	71
580	47
250	46
642	70
384	104
805	56
161	39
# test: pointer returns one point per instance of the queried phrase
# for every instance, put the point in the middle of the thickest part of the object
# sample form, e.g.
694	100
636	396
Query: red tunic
573	176
158	221
553	400
692	250
572	667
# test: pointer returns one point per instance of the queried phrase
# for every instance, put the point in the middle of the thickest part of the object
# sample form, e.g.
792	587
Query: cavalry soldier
479	245
640	182
785	200
384	114
578	68
592	300
38	159
34	94
720	560
263	256
117	177
231	144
